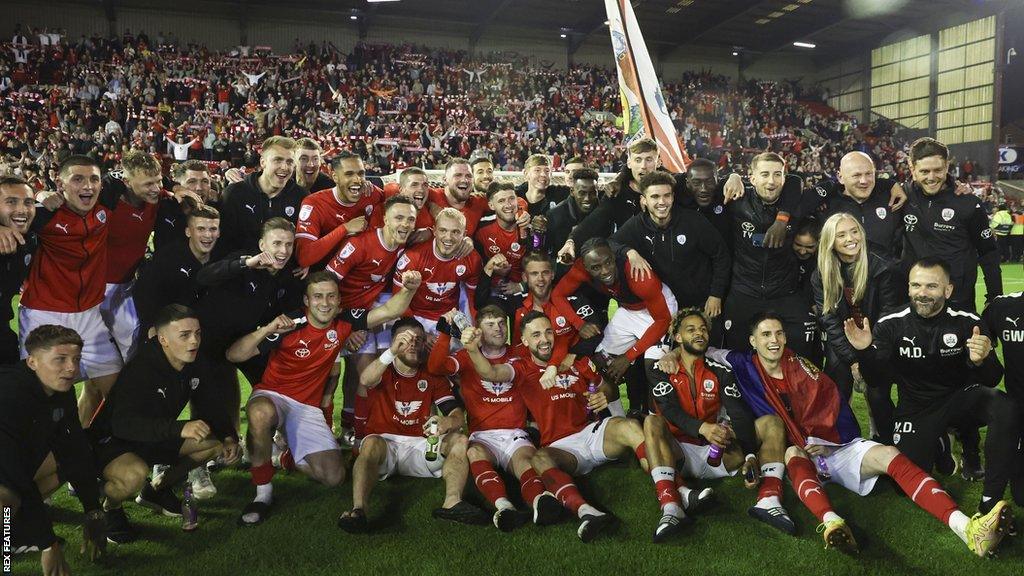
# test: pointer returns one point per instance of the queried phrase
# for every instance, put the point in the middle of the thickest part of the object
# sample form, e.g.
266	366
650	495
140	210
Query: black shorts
108	448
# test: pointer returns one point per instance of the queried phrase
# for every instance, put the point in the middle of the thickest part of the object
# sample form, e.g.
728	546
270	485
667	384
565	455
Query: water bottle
537	240
189	509
823	473
715	452
591	389
433	442
537	235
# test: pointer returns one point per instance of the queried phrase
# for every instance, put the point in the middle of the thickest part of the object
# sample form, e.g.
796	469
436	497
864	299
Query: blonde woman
851	282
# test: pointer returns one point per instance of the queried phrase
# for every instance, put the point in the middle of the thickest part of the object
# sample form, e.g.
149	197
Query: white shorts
587	446
502	444
657	352
844	465
627	327
303	426
100	356
118	311
407	457
695	463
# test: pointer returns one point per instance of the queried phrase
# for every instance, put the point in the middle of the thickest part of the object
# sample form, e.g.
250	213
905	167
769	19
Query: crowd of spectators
396	105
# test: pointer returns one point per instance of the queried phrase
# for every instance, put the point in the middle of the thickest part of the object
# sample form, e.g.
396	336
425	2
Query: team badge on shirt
681	239
560	321
949	340
332	335
947	214
421	386
709	385
881	212
194	383
289	210
460	270
515	246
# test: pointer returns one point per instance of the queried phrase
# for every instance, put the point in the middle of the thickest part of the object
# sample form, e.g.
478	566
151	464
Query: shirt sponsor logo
986	233
376	277
494	249
910	221
662	389
302	352
408	408
440	288
748	229
496	388
305	212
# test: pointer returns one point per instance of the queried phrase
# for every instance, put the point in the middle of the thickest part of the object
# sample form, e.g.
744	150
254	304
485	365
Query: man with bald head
868	198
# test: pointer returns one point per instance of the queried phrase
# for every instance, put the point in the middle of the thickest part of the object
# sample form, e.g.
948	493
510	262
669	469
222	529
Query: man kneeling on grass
138	426
403	438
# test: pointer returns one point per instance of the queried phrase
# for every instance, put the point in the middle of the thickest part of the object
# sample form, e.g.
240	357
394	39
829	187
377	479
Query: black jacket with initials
883	226
929	356
1003	318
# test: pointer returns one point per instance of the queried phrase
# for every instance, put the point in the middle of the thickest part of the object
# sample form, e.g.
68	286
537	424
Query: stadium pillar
243	23
110	11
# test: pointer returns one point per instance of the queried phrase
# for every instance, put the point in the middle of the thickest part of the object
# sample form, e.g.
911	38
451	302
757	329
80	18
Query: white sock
503	503
673	509
684	493
768	502
588	509
264	493
615	407
659	473
831	517
958	524
773	469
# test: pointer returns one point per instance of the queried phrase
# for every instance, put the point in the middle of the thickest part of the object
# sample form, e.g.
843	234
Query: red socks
361	414
924	490
641	451
261	474
288	461
531	486
487	480
560	484
804	478
770	486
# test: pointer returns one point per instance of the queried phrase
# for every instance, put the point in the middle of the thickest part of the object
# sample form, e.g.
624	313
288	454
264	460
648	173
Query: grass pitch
300	537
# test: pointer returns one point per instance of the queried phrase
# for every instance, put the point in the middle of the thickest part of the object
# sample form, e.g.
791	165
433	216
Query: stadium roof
756	27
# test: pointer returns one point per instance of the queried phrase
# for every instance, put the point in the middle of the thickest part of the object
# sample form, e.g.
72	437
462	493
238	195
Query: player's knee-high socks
531	486
561	485
805	482
489	483
924	490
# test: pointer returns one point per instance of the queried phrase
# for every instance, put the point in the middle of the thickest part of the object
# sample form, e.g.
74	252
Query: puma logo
170	222
425	269
137	215
304	343
186	272
162	393
911	340
63	227
251	208
375	262
253	286
649	239
1013	320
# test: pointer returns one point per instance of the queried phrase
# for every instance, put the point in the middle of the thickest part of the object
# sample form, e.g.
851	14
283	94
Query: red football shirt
363	266
68	270
490	405
444	281
401	404
128	239
562	410
301	360
496	240
318	232
474	209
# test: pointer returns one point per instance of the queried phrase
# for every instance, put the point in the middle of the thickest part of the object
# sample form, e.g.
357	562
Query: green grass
301	538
